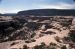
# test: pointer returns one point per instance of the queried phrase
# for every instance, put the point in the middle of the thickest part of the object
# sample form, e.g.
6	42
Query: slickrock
41	32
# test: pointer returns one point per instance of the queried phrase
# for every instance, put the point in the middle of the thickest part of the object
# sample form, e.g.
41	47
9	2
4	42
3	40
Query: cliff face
48	12
8	26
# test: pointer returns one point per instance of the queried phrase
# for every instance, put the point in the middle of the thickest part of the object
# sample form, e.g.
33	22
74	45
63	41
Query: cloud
9	11
61	5
58	6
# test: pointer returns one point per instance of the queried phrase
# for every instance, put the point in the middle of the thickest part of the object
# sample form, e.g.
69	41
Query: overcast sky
13	6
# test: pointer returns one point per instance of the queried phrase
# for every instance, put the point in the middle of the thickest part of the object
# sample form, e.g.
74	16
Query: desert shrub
57	39
32	25
20	48
72	35
25	47
51	46
28	41
33	34
63	47
71	45
21	20
42	46
15	24
33	40
14	43
13	48
50	32
40	35
36	47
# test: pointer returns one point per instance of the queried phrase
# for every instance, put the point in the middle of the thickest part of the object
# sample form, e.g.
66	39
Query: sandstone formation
35	32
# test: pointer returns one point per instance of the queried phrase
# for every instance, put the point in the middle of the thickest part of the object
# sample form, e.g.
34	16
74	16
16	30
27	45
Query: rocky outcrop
8	25
51	33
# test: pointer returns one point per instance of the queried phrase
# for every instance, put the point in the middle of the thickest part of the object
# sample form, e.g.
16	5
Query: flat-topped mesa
48	12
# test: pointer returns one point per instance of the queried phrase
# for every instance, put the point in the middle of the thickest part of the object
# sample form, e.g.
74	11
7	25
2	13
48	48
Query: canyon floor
37	32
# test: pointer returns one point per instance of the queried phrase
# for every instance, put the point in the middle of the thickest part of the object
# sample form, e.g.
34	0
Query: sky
14	6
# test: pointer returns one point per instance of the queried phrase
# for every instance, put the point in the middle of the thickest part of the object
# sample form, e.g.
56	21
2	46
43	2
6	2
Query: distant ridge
8	14
48	12
0	14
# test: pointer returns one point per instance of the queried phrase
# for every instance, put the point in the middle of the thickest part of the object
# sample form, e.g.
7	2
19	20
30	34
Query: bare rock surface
37	32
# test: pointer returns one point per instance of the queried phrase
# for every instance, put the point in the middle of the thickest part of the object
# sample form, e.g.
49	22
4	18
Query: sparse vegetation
25	47
53	34
63	47
72	35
